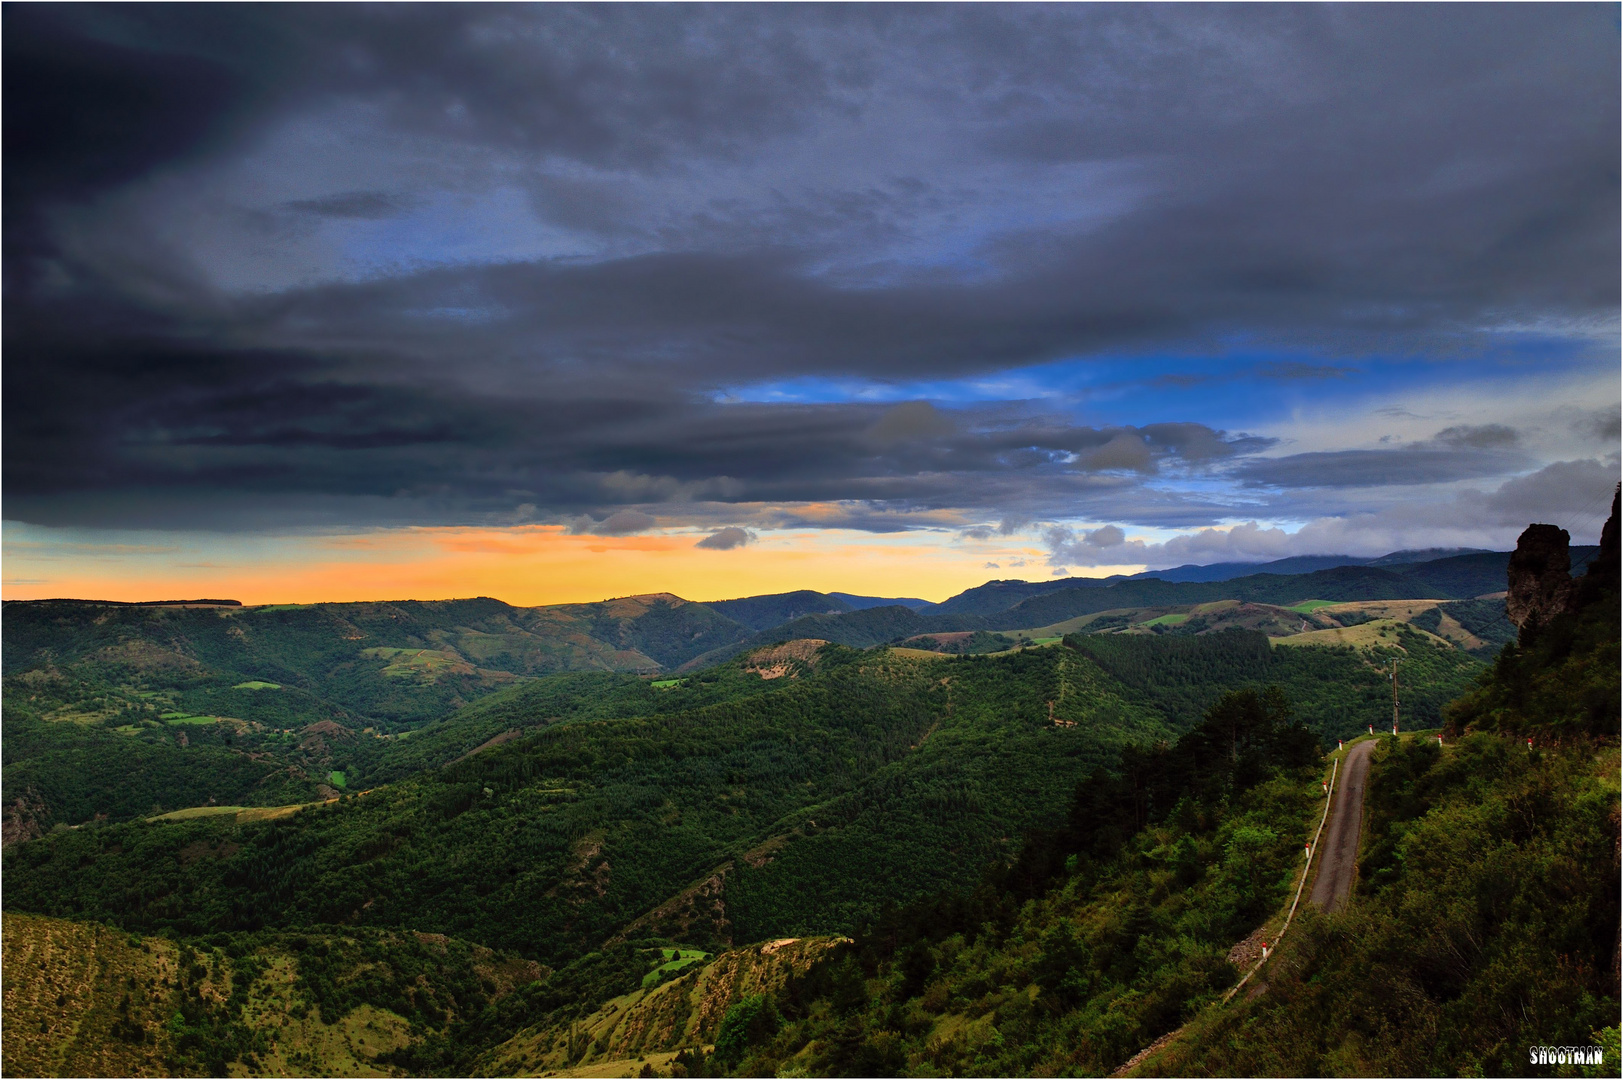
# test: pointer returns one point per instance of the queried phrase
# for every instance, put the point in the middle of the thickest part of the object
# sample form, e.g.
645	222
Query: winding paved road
1338	852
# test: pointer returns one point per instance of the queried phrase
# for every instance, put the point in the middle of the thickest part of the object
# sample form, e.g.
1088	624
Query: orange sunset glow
525	565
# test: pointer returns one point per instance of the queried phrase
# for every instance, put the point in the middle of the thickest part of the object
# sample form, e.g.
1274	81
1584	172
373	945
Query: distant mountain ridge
858	603
479	642
1300	564
1017	605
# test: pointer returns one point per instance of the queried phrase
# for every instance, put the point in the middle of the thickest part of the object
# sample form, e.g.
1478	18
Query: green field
665	684
1307	607
257	684
188	718
686	957
192	812
1166	620
337	778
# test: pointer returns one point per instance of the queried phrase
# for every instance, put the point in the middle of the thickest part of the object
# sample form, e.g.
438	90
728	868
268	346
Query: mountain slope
84	1000
120	710
1486	918
764	612
1061	960
551	842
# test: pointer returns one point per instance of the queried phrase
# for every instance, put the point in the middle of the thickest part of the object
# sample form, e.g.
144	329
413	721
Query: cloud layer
446	264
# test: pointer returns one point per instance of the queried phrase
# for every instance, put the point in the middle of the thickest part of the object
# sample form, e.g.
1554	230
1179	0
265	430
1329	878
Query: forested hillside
118	711
1337	691
1487	919
1016	605
1043	852
84	1000
551	842
1091	942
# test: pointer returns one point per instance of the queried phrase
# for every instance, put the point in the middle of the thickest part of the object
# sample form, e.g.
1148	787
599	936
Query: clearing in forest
1378	633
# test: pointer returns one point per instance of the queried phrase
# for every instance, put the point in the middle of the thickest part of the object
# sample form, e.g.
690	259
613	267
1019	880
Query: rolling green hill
729	807
554	841
118	711
1006	606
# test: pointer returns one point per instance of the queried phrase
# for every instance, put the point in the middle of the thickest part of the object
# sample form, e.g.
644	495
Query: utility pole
1395	663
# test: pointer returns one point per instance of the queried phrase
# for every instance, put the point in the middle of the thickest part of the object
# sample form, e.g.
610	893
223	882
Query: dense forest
1224	853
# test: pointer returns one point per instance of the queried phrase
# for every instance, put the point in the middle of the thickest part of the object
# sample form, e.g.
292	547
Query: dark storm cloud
1460	452
135	416
1478	436
1318	178
83	115
352	204
1418	464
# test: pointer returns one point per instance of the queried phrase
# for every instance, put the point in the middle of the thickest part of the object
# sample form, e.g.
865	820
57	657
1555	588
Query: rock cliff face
1541	585
1540	579
1606	564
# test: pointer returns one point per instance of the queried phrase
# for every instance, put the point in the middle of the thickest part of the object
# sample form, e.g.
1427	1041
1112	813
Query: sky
557	303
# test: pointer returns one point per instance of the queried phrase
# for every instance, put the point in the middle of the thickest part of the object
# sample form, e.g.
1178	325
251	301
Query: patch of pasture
257	684
684	957
197	812
916	654
666	684
72	716
1067	626
1307	607
426	665
243	813
1167	620
1379	633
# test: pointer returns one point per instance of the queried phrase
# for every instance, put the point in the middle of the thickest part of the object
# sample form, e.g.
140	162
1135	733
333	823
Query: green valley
974	851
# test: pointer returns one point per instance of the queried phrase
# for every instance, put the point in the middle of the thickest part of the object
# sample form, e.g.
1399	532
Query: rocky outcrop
1605	570
1540	577
1541	585
25	818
